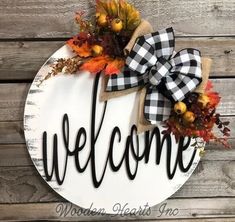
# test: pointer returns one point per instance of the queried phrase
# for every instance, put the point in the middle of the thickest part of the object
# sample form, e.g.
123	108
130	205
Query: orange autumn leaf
96	64
83	51
214	98
114	66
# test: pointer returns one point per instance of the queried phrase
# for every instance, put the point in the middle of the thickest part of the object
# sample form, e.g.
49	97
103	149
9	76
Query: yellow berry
102	20
203	100
116	25
180	108
189	117
97	50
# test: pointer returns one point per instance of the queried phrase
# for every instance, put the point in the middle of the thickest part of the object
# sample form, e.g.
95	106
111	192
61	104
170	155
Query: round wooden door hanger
89	151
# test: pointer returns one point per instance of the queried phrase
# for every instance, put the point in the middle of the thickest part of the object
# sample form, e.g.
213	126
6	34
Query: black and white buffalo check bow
168	76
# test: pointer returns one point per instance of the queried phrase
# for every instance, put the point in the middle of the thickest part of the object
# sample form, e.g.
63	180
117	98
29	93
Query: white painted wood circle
72	94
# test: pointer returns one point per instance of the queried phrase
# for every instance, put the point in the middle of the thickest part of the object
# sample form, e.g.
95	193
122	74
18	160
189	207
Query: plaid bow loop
168	76
149	48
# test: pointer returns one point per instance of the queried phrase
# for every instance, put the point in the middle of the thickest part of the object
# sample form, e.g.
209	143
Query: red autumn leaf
114	66
83	50
214	98
96	64
209	86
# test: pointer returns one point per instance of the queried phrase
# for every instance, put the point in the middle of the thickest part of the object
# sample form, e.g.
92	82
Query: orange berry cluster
180	108
102	20
116	24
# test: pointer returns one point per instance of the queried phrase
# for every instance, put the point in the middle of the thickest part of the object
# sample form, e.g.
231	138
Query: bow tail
125	80
156	106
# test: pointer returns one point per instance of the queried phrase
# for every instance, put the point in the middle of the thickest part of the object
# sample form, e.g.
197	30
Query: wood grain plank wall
30	31
187	208
20	60
54	18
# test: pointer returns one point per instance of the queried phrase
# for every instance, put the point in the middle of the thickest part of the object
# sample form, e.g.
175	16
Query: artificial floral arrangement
99	44
174	87
196	116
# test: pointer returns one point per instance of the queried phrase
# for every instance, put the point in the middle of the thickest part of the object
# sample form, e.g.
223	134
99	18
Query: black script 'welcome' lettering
132	149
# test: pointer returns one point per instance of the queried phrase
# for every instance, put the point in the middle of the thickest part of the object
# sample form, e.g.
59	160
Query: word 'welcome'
132	148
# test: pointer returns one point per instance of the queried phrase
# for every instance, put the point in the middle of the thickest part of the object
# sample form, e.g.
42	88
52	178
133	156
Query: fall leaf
101	7
214	98
129	15
96	64
83	50
114	66
209	86
120	9
112	8
109	7
109	65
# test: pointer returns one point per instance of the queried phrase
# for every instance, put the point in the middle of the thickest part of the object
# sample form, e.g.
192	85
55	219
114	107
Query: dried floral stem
67	66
